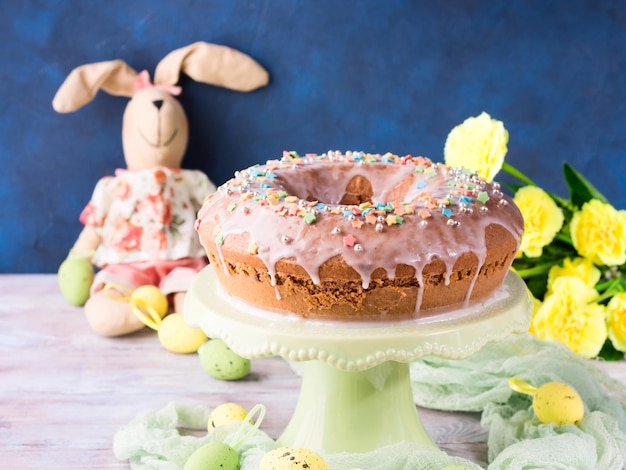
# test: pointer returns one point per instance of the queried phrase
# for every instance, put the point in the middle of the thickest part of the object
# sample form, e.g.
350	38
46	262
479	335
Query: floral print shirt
147	214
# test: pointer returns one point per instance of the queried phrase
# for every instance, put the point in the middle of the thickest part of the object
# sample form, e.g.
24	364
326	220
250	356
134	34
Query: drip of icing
443	208
470	289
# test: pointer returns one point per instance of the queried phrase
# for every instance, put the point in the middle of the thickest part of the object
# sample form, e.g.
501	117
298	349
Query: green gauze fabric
517	440
164	439
153	441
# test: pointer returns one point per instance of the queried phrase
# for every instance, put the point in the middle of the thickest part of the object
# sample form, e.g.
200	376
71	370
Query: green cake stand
356	393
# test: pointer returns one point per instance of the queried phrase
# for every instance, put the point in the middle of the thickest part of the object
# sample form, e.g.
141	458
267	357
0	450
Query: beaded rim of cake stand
256	334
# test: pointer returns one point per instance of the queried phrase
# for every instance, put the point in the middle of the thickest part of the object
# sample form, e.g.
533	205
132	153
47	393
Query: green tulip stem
511	170
564	238
534	271
605	285
608	289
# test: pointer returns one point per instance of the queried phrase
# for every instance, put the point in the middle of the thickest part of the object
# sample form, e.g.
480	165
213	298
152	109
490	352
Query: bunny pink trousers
169	276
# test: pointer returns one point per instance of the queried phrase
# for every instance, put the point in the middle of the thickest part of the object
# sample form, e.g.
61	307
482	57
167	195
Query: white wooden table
65	391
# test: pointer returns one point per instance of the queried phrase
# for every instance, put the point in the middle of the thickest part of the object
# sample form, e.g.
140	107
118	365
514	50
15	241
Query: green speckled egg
292	458
212	456
219	361
75	276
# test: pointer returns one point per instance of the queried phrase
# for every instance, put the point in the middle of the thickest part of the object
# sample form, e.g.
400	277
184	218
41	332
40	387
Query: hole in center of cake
357	191
326	188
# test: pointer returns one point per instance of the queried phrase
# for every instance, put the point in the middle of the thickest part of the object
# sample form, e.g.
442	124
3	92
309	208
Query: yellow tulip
567	316
598	232
581	268
616	321
542	219
479	143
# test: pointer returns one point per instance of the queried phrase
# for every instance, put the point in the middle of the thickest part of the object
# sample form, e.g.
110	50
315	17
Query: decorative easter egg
219	361
152	297
75	277
292	458
176	336
225	413
456	467
556	402
212	456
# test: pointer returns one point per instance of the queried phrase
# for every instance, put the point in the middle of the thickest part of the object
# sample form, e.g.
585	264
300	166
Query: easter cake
358	236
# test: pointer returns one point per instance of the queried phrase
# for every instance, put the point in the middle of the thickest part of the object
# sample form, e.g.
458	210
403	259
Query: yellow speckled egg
225	413
214	455
152	297
292	458
219	361
176	336
556	402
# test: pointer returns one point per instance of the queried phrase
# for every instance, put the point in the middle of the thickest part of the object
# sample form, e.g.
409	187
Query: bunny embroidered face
155	130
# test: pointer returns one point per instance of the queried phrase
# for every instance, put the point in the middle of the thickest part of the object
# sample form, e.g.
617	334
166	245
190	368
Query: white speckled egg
225	413
292	458
219	361
211	456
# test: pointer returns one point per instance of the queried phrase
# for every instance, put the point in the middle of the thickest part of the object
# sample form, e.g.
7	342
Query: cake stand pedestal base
356	393
342	411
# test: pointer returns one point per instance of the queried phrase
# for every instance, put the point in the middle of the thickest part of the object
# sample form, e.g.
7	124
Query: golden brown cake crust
359	236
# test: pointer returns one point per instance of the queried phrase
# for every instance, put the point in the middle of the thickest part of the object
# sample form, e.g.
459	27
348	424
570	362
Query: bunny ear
212	64
81	85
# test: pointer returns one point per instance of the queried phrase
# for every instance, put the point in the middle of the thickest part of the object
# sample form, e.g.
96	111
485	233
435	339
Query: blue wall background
369	75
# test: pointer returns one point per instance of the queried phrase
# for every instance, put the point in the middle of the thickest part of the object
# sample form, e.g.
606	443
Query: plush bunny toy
139	224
